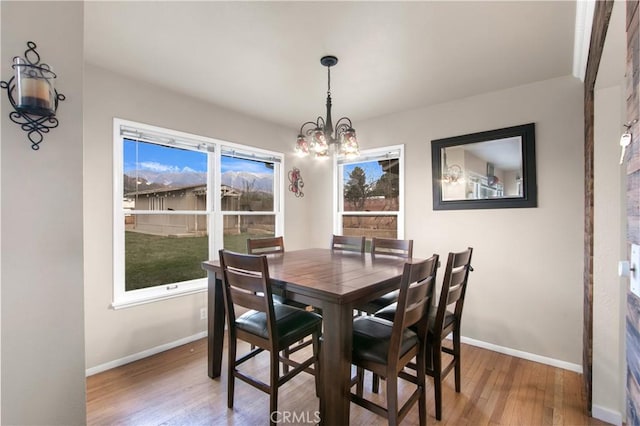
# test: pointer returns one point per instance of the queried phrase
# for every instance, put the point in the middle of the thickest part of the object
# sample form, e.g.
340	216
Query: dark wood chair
268	326
348	243
387	247
275	245
386	347
269	245
447	319
392	247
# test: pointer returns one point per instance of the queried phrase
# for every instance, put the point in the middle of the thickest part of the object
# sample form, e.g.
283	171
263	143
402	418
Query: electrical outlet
203	313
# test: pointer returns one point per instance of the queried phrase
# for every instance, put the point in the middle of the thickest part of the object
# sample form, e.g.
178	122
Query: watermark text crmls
295	417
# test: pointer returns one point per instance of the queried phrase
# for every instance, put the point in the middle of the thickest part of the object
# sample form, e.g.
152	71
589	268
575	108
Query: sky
161	158
372	170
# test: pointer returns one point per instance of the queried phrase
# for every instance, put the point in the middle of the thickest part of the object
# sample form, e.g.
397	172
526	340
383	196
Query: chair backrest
390	246
414	301
454	286
247	284
345	243
265	245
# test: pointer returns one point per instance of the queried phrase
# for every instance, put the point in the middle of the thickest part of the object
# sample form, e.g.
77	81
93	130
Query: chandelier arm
343	125
312	123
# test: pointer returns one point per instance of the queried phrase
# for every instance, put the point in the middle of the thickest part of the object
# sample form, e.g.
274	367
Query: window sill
143	300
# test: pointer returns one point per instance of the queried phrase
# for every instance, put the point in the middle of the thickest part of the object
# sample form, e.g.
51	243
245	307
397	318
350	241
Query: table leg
336	364
215	339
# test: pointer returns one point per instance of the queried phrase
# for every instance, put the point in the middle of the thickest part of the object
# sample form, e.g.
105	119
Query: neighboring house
188	198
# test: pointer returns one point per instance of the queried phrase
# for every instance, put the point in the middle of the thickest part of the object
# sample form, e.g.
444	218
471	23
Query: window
370	195
165	221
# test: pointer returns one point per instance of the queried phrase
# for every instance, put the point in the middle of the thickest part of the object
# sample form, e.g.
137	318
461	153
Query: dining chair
275	245
447	319
348	243
270	327
268	245
381	247
386	347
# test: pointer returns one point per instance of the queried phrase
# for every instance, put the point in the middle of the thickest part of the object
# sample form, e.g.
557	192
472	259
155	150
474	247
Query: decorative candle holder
32	94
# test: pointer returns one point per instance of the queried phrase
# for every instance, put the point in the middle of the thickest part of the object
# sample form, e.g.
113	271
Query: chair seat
371	339
381	302
389	313
291	323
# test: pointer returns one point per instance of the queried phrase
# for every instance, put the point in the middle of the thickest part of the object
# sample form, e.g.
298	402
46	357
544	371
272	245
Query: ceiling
263	58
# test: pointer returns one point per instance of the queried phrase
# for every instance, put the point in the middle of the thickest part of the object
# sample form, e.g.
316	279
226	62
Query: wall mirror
486	170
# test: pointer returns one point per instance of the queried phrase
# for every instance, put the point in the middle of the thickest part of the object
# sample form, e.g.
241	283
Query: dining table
336	282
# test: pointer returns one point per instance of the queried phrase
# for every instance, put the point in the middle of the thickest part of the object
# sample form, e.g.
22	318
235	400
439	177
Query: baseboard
606	415
146	353
524	355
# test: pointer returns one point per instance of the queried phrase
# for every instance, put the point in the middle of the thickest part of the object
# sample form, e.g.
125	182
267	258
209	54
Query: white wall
526	290
41	196
116	334
608	287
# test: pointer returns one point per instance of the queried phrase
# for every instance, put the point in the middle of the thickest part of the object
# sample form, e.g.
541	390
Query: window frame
214	148
374	154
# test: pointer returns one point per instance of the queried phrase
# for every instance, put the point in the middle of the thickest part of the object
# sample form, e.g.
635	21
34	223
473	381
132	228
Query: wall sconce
32	95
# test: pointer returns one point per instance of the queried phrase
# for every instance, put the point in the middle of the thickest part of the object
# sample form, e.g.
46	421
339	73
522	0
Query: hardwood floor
172	388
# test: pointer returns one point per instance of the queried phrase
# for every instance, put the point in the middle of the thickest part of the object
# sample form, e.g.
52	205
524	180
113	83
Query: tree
388	185
356	190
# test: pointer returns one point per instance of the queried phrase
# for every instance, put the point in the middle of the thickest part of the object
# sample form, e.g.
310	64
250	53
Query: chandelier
321	132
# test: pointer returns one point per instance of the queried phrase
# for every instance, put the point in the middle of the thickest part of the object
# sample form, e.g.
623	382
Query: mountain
255	181
170	179
148	179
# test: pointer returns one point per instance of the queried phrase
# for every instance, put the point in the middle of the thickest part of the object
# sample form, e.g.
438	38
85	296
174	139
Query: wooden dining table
334	281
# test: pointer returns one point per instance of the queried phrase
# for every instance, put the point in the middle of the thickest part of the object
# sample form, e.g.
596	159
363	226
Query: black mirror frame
529	188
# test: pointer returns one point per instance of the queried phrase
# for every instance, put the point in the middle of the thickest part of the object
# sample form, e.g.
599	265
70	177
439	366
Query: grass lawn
155	260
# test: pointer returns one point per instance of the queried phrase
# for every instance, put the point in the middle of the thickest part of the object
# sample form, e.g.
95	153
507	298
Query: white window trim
365	155
124	299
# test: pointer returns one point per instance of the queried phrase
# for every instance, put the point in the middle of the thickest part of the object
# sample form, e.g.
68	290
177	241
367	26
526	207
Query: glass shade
302	146
349	144
319	143
34	88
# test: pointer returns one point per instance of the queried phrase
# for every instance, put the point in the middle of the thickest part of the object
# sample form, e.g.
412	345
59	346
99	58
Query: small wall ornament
296	182
32	95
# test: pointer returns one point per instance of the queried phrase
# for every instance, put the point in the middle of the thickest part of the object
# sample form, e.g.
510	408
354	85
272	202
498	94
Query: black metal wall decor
32	95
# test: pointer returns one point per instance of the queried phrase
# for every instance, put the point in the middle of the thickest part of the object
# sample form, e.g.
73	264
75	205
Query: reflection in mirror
482	170
485	170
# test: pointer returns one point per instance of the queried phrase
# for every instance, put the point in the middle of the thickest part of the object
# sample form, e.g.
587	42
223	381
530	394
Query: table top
333	276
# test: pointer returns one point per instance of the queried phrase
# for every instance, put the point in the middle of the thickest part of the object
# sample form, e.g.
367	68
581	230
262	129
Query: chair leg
359	381
285	367
273	384
231	367
456	357
421	383
392	398
437	376
375	383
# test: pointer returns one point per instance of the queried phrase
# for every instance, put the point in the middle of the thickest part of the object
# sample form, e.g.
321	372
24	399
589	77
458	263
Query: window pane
372	185
237	228
164	249
370	226
158	177
247	185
